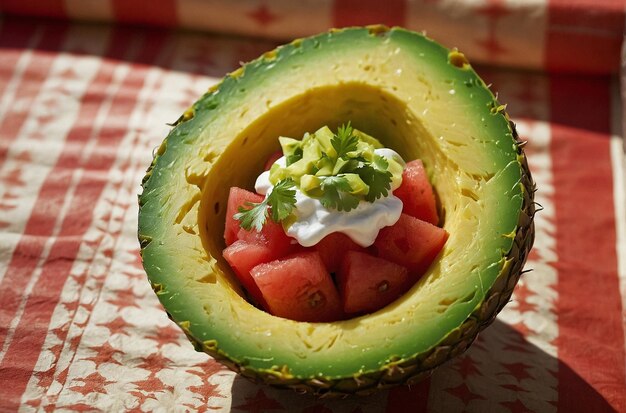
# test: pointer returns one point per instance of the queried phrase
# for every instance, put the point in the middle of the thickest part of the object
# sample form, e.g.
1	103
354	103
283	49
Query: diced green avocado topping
339	169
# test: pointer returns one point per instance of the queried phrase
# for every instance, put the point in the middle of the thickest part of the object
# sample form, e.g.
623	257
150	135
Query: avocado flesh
395	85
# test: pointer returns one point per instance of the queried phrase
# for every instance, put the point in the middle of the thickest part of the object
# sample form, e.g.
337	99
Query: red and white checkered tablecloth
83	105
562	35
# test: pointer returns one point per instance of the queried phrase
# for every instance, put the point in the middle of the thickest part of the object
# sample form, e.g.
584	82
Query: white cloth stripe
44	155
99	122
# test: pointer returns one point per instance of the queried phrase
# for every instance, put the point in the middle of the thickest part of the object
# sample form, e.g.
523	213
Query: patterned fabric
81	109
562	35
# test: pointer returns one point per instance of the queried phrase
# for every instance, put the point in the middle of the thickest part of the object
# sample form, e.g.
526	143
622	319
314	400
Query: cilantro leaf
280	201
337	194
337	182
255	216
381	163
376	176
344	141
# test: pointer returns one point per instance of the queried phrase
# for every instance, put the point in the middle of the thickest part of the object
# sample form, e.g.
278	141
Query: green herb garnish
280	202
377	177
344	141
336	194
340	169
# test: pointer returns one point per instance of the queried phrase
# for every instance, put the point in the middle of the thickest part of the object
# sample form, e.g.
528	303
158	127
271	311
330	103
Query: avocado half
418	98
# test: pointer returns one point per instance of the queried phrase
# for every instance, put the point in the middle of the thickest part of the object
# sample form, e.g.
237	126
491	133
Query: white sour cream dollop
314	222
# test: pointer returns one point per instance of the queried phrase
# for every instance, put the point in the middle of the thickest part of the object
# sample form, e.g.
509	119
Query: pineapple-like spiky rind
409	370
414	369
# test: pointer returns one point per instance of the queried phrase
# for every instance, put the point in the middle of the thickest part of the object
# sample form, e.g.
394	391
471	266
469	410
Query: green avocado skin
181	249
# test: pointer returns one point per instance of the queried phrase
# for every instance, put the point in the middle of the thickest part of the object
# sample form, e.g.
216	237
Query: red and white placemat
81	109
562	35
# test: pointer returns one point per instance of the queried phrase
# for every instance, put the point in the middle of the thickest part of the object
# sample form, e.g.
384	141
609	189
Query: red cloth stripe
414	399
163	13
40	226
363	12
587	32
35	75
591	336
20	359
156	44
46	8
34	323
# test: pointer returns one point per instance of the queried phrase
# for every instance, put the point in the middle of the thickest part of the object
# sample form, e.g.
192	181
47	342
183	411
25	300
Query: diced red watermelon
236	198
242	257
294	282
367	283
298	287
273	158
416	193
411	242
333	247
273	236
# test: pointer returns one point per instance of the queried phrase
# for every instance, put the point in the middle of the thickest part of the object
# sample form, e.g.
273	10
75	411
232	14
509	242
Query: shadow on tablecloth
476	380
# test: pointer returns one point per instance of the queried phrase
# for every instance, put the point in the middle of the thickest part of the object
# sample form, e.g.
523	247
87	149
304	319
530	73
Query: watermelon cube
272	235
416	193
411	242
242	257
368	283
333	247
237	198
298	287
